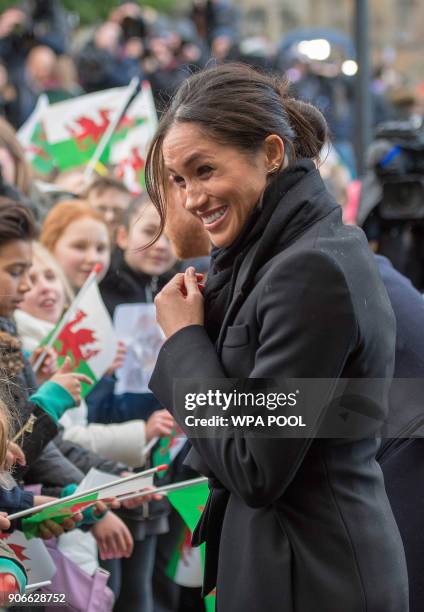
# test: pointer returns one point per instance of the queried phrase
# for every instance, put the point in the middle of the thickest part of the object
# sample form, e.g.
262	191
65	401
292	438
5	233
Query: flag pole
37	585
158	490
146	450
67	316
79	494
165	489
132	87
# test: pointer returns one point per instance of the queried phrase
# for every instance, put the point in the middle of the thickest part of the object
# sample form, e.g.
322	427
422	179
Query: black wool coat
296	525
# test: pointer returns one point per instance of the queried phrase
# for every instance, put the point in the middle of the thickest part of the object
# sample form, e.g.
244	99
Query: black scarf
226	262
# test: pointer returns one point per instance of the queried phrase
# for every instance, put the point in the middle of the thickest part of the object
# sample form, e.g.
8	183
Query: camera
391	209
400	170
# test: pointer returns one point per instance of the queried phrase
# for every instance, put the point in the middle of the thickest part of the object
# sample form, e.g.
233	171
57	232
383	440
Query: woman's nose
195	198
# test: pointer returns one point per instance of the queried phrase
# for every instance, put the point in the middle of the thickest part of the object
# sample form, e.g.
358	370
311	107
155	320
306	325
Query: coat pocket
236	335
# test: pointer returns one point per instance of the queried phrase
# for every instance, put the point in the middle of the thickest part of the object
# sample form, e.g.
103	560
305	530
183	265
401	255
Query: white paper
96	478
136	325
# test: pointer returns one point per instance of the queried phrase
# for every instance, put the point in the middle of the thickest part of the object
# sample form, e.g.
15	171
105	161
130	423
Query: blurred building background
396	26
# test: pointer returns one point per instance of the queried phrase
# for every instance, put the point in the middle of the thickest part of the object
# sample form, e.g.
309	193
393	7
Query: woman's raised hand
180	303
70	381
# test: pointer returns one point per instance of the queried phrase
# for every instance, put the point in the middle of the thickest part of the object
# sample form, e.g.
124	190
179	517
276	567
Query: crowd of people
52	239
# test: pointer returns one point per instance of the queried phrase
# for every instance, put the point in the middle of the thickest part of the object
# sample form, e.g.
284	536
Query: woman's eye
204	170
178	180
80	246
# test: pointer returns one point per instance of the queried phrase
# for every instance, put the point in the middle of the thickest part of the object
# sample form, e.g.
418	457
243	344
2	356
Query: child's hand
113	537
48	366
118	362
70	381
101	507
50	529
14	455
8	586
4	521
135	502
160	424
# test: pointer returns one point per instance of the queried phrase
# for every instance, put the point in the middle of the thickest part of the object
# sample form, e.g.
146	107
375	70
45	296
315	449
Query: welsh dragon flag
33	555
187	563
75	127
167	448
63	509
33	138
85	334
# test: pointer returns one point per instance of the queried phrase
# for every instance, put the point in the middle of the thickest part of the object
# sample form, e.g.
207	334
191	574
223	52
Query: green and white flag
74	127
33	139
128	154
85	334
60	509
189	503
185	565
167	448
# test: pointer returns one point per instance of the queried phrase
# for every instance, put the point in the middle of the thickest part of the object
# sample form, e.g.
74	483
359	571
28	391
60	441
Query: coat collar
299	208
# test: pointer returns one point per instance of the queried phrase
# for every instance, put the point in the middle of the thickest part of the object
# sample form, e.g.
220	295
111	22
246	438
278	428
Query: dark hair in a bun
237	106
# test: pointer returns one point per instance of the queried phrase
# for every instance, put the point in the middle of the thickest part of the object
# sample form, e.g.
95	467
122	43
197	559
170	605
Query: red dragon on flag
74	340
17	549
89	129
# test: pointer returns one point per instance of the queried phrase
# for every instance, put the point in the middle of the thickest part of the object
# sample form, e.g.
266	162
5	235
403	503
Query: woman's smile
213	218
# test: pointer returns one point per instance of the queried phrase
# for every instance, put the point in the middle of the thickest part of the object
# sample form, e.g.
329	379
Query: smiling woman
293	524
221	184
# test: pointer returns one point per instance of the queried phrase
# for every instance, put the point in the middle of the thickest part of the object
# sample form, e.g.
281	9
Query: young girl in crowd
38	313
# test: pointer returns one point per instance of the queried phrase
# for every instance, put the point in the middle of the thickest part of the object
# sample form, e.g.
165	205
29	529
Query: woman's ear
274	153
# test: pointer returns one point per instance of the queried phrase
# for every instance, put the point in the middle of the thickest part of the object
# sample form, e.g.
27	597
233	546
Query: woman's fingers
83	378
191	282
